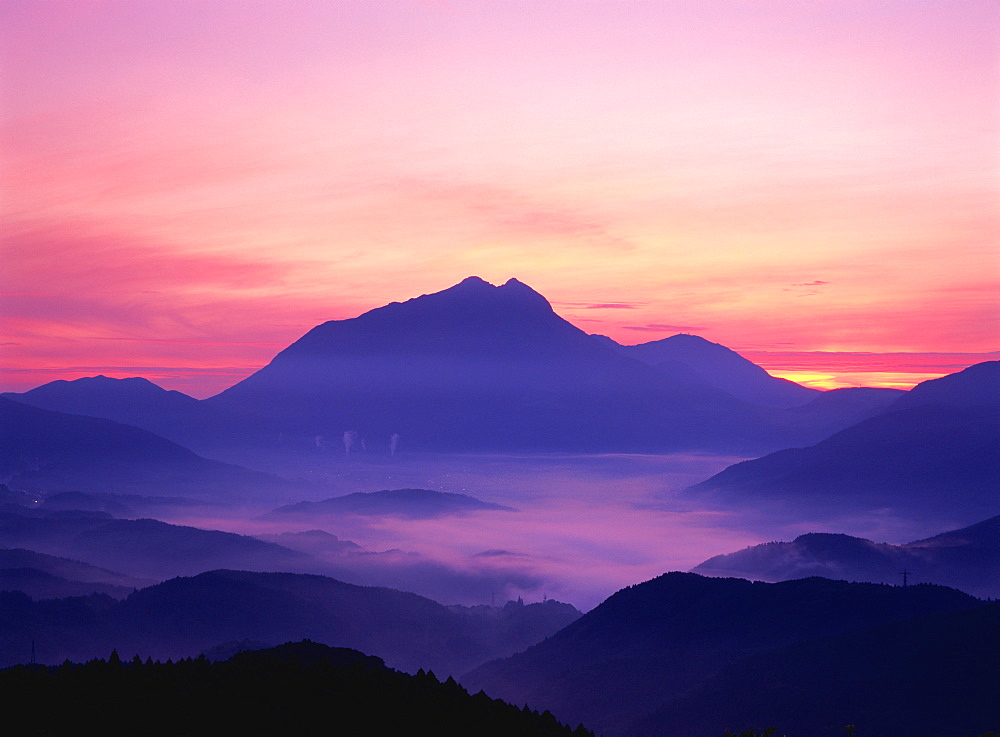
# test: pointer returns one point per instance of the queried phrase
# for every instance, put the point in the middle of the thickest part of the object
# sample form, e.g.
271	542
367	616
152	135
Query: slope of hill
50	577
937	450
141	403
626	657
186	616
55	451
928	676
692	358
487	368
143	548
416	503
296	688
967	559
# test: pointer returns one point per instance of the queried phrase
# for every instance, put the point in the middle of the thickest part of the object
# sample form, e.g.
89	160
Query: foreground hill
657	640
935	450
481	367
185	616
929	676
297	688
966	559
55	451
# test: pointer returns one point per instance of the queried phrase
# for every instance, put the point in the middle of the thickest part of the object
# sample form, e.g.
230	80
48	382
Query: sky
189	186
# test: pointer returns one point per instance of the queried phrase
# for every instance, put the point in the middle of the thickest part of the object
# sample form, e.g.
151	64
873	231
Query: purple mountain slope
481	367
55	451
692	358
144	548
654	641
966	559
141	403
415	503
935	451
184	616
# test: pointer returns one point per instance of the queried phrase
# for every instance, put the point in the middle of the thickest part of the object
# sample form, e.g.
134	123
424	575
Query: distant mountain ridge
184	616
141	403
143	548
477	367
56	451
693	358
966	559
417	503
936	449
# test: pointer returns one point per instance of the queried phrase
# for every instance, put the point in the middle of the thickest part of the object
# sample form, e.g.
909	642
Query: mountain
692	358
144	548
182	617
40	584
966	559
54	451
295	688
311	540
141	403
929	676
50	577
481	367
835	410
976	387
935	450
415	503
656	640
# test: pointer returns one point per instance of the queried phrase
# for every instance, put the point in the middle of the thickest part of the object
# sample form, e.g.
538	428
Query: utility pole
904	573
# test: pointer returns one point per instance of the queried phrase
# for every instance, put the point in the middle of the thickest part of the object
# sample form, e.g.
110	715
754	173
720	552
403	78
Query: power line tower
905	574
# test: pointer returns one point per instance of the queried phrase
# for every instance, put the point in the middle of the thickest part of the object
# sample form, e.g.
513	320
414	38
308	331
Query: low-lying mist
582	526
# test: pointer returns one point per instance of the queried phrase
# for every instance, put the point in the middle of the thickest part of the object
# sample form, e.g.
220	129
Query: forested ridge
299	688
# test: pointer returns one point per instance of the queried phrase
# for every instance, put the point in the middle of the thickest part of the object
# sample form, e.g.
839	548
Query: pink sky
190	186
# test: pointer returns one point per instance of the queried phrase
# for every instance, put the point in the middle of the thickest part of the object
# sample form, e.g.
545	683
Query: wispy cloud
659	328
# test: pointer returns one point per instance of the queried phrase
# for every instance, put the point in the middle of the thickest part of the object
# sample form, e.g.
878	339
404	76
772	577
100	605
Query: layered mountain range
966	559
682	654
936	448
479	367
492	369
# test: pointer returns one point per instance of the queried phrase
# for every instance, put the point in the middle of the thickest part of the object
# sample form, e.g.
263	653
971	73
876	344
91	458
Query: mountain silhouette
416	503
56	451
185	616
295	688
657	640
67	568
692	358
966	559
141	403
143	548
483	367
49	577
933	451
475	367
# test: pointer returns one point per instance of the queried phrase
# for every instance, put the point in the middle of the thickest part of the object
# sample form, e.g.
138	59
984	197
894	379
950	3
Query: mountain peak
475	281
474	293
